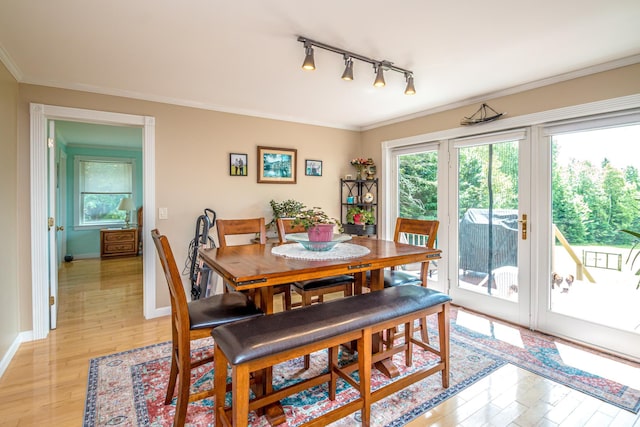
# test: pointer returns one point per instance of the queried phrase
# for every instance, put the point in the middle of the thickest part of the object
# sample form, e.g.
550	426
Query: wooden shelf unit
355	189
118	242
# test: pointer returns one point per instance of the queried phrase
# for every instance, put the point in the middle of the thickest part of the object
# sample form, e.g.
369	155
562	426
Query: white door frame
40	113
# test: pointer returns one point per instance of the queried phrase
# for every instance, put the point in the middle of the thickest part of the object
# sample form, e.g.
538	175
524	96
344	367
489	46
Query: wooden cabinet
118	242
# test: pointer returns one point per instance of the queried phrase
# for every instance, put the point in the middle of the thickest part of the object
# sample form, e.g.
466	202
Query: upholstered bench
257	344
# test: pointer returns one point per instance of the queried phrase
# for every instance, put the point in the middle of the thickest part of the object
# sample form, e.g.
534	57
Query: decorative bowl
303	239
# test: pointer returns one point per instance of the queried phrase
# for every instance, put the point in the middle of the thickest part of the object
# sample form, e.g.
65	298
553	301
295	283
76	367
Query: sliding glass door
490	255
593	292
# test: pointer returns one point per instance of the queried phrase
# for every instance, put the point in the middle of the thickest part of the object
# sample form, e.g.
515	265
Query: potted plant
286	209
360	221
318	224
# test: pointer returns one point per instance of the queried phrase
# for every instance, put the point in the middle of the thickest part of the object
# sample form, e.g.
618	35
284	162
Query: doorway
40	236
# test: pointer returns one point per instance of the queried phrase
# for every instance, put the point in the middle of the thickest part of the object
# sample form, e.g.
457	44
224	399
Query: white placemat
339	251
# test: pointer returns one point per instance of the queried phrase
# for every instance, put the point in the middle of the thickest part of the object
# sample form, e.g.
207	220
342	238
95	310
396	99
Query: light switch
163	213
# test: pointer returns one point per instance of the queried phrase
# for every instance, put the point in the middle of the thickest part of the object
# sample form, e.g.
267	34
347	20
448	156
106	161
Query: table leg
274	413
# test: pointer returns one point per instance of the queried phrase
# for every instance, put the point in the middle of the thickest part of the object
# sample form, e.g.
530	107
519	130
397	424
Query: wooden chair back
231	227
419	232
285	226
179	306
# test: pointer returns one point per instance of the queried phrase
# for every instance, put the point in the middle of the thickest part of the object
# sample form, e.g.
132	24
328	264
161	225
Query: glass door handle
523	221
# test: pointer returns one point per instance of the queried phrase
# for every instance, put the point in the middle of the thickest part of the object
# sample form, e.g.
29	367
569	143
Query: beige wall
9	315
192	148
595	87
192	167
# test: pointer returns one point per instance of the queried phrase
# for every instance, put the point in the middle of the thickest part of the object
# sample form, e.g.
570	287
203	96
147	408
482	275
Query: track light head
309	63
348	69
379	66
410	90
379	82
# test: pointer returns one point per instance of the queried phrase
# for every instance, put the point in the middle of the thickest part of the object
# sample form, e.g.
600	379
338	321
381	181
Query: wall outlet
163	213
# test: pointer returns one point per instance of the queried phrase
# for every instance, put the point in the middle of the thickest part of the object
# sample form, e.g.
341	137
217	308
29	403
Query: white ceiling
244	57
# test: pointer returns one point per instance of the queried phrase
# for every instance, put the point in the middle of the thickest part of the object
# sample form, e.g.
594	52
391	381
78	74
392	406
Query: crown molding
10	64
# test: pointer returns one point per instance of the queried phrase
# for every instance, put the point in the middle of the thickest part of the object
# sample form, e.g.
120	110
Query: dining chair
190	321
419	232
255	228
318	288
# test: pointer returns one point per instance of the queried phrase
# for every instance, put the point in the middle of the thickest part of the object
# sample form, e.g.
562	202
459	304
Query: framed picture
313	167
237	164
277	165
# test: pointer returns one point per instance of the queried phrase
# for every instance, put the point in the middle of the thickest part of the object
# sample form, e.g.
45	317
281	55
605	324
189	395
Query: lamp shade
126	204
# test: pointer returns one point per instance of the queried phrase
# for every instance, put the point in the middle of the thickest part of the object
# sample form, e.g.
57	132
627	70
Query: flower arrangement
361	164
361	161
308	217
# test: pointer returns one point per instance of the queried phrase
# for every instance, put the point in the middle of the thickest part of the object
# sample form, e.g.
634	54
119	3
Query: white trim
149	218
13	349
564	113
39	238
40	113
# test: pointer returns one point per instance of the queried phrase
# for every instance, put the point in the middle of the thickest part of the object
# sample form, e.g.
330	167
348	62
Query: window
100	185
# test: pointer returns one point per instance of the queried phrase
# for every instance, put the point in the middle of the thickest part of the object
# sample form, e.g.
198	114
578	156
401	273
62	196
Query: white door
589	291
489	258
53	228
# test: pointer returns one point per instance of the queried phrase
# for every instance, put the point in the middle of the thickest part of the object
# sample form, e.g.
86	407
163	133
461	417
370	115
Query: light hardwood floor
101	313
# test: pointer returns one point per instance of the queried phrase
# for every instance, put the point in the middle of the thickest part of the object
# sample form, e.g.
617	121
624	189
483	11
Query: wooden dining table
255	267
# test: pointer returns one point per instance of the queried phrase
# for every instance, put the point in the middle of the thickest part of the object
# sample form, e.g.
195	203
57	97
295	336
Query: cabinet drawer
119	236
118	242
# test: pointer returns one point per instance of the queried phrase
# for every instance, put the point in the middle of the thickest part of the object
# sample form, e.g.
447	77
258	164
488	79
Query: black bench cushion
324	282
221	309
255	338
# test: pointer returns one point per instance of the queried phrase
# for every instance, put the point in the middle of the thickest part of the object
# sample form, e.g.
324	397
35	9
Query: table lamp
126	204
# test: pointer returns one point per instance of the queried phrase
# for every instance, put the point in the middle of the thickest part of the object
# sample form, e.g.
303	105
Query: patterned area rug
126	389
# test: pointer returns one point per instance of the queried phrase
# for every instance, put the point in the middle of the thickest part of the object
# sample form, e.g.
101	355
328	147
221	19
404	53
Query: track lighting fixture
410	90
379	81
348	69
309	63
379	67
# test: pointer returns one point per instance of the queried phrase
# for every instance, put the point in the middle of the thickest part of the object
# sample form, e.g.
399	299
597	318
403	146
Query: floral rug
127	389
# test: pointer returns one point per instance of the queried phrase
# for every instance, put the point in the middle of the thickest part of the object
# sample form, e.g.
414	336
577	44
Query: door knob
60	228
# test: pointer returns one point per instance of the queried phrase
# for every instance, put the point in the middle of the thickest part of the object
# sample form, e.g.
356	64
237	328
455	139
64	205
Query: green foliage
364	216
308	217
285	209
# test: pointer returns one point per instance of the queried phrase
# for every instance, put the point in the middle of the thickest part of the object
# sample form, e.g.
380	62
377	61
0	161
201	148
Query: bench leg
443	331
364	371
333	362
240	393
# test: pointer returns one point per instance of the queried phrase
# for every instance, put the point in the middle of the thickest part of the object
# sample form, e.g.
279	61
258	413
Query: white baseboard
13	348
159	312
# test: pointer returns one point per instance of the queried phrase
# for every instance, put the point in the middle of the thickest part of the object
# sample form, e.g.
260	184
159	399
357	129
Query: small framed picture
277	165
237	164
313	167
